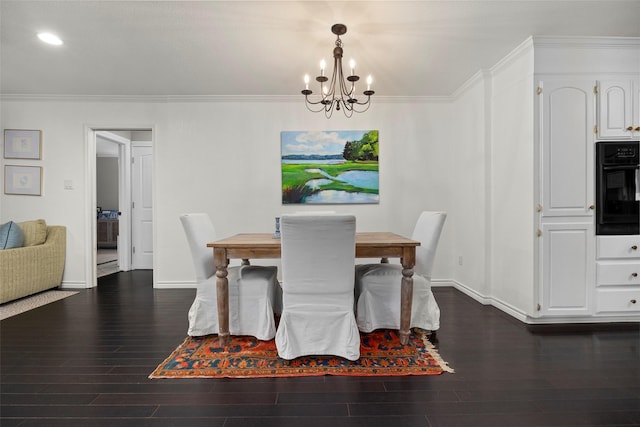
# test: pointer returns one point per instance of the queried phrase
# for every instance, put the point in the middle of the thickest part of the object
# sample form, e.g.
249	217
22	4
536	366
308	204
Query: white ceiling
263	48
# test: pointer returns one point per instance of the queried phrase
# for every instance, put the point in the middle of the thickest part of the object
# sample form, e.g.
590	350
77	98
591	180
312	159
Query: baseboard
73	285
525	318
175	285
580	320
482	299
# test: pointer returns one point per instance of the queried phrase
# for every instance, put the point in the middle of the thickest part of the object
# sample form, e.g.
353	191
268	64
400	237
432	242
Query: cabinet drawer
618	300
618	247
610	273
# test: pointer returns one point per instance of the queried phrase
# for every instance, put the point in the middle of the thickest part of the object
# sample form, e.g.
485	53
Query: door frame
124	196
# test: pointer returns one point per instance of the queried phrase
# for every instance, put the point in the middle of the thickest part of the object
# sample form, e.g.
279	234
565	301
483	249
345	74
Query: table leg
406	294
222	289
406	300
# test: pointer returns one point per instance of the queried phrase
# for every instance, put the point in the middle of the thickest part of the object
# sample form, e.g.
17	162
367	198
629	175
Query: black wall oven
617	188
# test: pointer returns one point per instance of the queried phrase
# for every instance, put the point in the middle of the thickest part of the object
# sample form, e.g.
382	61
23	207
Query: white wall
468	215
223	157
472	155
512	181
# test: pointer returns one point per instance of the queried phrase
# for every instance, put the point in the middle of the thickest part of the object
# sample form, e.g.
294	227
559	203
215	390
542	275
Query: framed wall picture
330	167
22	144
23	180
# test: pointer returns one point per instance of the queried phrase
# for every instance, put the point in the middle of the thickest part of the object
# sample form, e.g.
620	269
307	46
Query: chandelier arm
363	110
348	112
365	102
308	103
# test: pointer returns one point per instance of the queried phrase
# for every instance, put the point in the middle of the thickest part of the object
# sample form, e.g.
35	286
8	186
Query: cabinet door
566	129
567	269
615	109
636	110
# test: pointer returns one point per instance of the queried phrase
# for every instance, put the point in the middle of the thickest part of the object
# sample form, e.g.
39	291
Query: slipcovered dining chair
252	289
318	256
378	285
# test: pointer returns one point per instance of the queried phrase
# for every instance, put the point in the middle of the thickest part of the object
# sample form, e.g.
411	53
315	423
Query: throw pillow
35	232
11	236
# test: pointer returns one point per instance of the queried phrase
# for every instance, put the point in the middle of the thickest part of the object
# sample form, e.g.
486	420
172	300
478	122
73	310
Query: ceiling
263	48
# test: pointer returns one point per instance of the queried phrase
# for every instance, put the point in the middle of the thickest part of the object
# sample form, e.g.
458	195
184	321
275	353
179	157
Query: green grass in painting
295	177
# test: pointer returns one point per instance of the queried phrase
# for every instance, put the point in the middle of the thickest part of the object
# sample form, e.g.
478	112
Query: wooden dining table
246	246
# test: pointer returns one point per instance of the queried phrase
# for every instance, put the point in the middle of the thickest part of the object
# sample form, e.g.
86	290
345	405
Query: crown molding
586	42
165	99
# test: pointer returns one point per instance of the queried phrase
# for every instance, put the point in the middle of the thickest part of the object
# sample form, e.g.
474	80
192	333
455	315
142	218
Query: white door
636	109
567	269
142	207
567	148
615	118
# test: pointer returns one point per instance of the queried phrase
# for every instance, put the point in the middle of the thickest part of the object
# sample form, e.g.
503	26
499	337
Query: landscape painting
330	167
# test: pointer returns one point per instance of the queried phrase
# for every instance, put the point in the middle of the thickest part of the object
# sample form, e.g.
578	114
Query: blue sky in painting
317	142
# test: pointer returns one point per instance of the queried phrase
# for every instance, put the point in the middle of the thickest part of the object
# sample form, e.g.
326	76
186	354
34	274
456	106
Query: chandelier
339	93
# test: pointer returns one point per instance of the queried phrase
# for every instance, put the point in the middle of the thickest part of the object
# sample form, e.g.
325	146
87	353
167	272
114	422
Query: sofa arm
28	270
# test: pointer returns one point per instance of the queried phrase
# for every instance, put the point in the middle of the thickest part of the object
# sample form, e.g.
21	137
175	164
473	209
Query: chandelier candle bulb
306	81
369	81
352	64
323	64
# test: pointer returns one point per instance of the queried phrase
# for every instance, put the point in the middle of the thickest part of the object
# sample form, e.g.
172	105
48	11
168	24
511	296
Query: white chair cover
318	256
252	289
378	285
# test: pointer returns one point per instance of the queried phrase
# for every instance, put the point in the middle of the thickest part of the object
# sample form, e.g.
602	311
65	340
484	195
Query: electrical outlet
460	260
68	184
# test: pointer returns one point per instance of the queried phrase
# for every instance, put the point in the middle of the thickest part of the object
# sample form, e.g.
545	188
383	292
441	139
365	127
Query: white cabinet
567	269
636	109
618	276
618	301
566	239
567	164
618	109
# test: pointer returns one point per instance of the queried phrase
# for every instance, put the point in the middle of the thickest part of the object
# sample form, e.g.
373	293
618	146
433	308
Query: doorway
108	204
112	228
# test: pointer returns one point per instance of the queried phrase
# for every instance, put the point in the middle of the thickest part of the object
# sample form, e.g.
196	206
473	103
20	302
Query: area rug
13	308
381	354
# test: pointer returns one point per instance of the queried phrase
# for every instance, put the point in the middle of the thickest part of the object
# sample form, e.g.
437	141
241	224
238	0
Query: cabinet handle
633	301
592	207
634	248
638	129
629	128
634	274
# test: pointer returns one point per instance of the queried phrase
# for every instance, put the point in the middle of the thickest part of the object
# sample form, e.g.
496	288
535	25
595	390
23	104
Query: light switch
68	184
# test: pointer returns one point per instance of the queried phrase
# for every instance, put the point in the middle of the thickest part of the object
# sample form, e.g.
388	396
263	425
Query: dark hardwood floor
85	361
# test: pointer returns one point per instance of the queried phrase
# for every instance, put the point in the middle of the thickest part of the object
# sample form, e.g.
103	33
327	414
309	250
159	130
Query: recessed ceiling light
50	38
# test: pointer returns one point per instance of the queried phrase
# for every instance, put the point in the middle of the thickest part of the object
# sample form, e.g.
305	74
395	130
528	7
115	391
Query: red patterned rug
381	354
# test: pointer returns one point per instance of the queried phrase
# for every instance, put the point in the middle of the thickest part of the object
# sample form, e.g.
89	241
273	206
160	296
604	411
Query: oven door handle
620	168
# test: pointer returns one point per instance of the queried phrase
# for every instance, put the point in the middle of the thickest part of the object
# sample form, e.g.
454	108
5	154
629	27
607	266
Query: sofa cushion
11	236
35	232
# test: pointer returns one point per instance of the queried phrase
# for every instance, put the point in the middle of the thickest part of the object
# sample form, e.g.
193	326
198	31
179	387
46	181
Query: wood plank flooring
85	361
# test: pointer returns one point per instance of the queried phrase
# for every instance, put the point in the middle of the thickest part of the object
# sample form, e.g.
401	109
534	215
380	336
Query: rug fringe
433	351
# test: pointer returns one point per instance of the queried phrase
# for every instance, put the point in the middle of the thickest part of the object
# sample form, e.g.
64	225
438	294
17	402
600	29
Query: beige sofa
27	270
